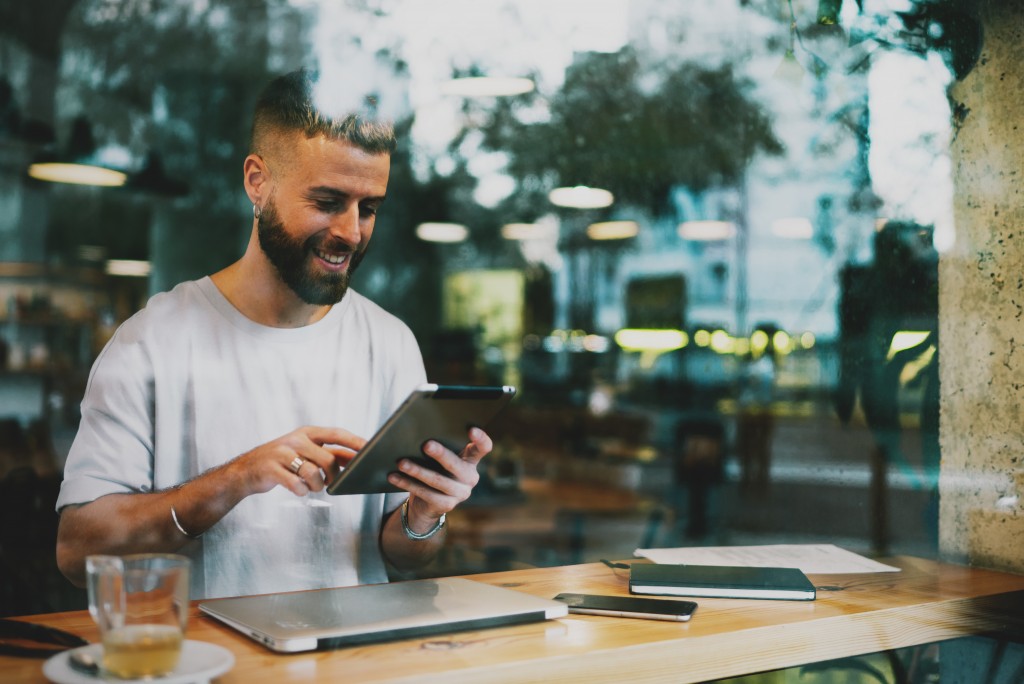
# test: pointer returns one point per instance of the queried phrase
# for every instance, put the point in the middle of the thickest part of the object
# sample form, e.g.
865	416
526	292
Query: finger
303	460
311	475
338	436
322	457
296	485
453	466
436	501
342	455
480	445
458	483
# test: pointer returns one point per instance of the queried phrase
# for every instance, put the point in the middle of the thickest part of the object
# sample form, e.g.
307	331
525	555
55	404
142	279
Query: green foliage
633	131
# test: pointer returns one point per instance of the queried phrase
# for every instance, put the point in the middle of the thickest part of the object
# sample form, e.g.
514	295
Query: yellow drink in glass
139	651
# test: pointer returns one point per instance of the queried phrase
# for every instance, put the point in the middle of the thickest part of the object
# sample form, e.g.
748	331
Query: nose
345	225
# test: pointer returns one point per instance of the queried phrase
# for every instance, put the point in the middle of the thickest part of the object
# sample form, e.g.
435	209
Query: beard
293	260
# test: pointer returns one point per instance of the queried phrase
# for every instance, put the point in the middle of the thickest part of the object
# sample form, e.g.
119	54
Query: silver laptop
331	618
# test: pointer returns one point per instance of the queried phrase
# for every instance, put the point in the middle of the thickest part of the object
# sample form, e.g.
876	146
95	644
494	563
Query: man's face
316	224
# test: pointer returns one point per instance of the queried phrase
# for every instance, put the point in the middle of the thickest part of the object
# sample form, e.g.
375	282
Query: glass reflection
756	362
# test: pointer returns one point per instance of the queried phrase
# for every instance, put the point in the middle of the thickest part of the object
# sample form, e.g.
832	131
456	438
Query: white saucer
200	662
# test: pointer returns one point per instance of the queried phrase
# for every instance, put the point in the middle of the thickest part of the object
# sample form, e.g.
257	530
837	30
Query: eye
326	205
368	209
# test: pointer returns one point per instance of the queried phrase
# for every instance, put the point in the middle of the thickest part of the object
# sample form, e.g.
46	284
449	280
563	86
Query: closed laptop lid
330	618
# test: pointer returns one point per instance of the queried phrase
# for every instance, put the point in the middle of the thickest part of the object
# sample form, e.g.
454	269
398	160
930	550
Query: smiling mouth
334	259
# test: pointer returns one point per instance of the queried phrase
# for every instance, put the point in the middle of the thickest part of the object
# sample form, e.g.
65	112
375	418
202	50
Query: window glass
701	239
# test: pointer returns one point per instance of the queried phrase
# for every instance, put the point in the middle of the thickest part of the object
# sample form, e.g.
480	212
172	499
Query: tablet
444	413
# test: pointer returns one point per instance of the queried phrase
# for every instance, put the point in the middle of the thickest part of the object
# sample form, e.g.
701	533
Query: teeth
332	258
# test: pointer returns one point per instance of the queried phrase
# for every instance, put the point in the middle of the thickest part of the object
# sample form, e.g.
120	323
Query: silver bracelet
174	517
416	536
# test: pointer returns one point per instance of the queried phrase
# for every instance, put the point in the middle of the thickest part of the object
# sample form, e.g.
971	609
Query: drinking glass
140	603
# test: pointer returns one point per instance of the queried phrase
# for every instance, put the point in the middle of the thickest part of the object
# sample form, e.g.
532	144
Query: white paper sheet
811	558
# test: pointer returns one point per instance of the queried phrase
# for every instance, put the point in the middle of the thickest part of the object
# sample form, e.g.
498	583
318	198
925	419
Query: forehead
337	164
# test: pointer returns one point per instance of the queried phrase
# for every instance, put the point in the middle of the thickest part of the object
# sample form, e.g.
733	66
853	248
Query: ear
256	178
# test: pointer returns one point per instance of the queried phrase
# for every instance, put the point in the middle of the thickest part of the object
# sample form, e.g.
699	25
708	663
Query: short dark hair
288	103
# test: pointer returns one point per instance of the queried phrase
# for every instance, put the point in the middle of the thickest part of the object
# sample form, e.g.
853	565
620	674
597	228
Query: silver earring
256	212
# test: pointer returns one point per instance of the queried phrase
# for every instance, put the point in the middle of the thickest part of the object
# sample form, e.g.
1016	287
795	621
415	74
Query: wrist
181	527
413	534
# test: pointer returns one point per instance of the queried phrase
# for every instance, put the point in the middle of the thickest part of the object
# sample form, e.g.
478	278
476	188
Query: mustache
331	244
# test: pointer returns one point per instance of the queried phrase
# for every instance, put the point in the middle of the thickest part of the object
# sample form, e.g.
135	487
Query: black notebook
718	581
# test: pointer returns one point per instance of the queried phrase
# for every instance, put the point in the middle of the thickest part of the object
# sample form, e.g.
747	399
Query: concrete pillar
981	306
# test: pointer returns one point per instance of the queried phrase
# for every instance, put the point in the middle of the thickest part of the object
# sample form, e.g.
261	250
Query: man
190	439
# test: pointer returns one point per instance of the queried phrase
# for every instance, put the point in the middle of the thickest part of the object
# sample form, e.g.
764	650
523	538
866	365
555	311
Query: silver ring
296	464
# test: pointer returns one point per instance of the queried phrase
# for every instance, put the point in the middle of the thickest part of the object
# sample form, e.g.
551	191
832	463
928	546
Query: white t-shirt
189	383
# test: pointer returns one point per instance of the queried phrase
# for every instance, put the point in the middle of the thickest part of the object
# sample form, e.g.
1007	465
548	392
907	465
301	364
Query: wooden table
865	613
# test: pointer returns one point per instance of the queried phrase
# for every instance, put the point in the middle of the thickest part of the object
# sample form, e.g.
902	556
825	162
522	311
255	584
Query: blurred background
700	238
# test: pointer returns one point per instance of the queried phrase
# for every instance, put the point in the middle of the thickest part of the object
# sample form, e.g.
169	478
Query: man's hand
141	523
302	461
434	494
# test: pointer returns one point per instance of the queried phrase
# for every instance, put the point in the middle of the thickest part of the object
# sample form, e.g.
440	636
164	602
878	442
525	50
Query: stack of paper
810	558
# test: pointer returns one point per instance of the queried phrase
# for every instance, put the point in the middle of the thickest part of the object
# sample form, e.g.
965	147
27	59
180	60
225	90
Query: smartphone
628	606
444	413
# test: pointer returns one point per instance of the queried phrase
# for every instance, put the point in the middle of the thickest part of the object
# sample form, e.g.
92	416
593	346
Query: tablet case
720	581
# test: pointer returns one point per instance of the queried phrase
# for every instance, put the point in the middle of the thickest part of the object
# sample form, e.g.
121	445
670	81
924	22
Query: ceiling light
794	228
657	340
612	230
828	12
529	231
128	267
781	341
759	341
722	342
789	70
707	231
76	174
442	232
581	197
486	86
76	162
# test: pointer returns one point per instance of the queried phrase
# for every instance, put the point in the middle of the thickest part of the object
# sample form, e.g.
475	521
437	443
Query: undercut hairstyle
288	103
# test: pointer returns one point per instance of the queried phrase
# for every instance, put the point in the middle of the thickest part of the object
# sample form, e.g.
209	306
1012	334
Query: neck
254	287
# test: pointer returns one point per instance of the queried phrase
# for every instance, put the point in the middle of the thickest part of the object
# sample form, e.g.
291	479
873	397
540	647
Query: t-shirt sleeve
113	449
